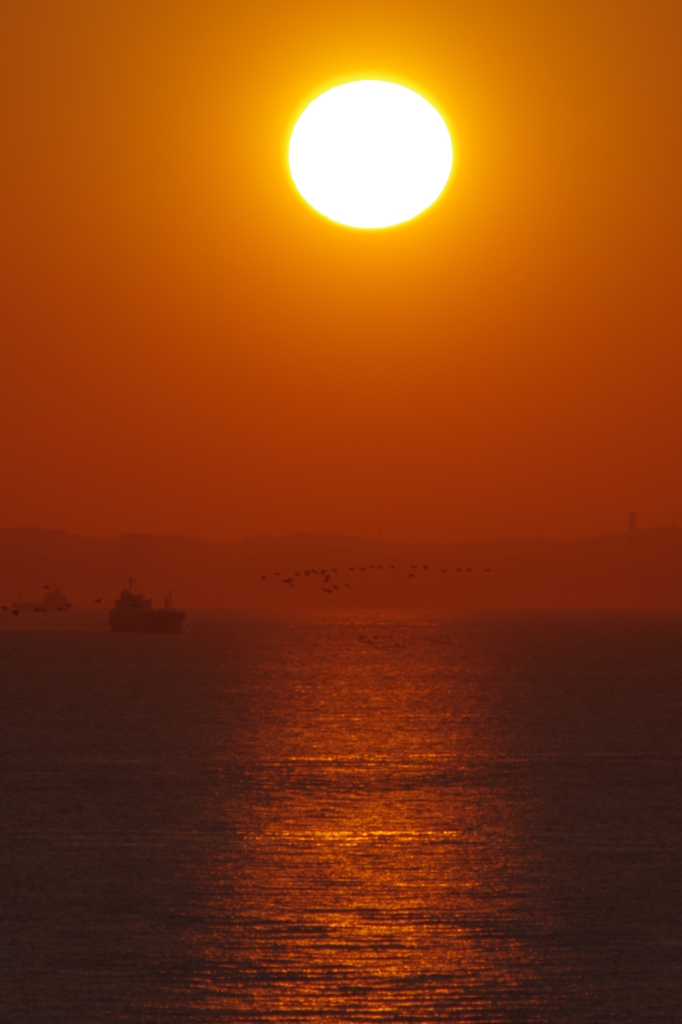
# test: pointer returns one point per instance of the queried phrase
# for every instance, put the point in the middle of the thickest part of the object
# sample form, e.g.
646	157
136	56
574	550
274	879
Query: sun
370	154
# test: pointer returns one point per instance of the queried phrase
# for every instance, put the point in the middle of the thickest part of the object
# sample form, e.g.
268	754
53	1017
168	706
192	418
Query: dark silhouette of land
328	571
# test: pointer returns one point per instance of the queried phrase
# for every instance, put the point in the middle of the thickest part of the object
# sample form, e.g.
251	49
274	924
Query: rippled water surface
343	820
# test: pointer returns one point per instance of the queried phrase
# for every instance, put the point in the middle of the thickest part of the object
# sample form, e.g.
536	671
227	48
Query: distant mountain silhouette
329	571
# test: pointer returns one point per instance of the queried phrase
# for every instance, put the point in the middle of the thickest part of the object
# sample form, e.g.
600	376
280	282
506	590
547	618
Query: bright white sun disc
370	154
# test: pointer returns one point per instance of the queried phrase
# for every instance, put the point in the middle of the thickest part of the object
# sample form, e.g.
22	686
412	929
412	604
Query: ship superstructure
133	613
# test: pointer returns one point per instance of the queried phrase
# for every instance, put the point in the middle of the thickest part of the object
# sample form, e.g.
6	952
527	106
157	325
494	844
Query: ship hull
159	621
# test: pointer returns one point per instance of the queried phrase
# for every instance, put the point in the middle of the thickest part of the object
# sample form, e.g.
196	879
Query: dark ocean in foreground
352	819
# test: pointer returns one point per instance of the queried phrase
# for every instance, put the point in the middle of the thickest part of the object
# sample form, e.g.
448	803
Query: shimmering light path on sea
329	820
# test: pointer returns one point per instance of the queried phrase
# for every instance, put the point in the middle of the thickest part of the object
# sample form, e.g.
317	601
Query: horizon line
338	536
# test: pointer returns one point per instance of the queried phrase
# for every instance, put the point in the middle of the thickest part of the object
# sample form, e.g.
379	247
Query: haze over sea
358	817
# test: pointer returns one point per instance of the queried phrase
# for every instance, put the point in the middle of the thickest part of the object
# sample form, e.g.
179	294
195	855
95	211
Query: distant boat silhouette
53	601
133	613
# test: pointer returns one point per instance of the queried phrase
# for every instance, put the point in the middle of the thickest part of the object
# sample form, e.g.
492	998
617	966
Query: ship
53	601
133	613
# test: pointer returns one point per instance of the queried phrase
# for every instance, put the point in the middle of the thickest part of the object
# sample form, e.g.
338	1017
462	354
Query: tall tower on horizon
632	541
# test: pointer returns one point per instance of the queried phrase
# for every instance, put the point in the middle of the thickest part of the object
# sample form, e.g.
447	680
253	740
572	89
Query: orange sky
187	347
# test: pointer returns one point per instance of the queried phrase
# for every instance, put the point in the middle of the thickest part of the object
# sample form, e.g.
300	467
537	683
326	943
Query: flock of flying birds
328	584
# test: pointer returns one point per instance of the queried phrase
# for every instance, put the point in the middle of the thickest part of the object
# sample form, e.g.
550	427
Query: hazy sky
187	347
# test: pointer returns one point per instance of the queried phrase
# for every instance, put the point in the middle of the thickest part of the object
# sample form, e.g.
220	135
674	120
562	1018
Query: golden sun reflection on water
374	870
268	820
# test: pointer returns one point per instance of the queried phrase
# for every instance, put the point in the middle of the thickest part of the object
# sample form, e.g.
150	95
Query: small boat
133	613
53	601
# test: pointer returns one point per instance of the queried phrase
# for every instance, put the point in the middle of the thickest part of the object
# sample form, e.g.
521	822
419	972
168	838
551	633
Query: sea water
363	818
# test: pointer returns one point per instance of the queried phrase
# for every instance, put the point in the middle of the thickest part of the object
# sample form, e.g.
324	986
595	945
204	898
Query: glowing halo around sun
370	154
